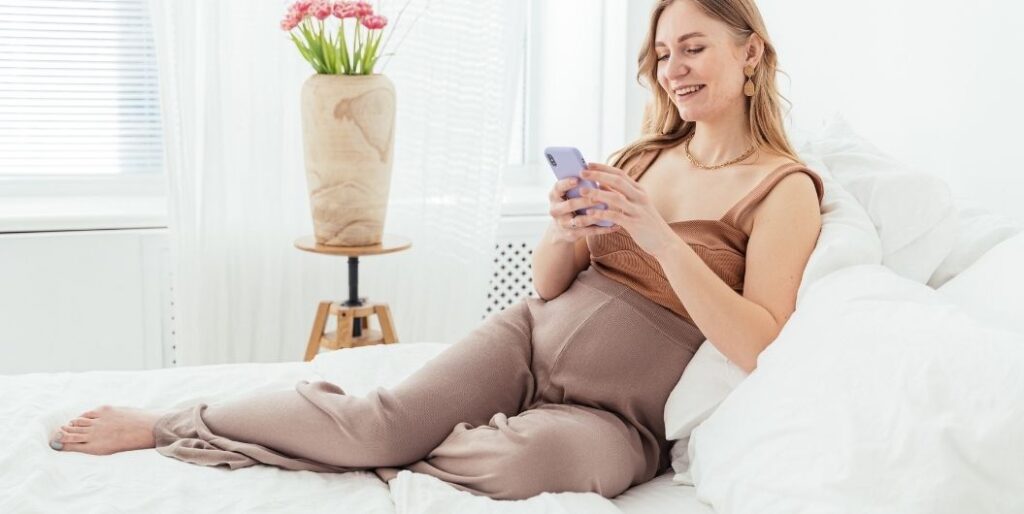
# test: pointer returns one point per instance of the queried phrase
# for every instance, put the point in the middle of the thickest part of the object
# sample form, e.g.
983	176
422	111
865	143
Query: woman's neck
721	139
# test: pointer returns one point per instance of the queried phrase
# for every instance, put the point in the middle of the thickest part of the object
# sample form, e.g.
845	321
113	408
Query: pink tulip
375	22
321	9
363	9
292	19
301	7
344	10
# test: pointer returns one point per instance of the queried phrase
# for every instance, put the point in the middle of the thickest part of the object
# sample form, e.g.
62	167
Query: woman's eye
694	51
663	57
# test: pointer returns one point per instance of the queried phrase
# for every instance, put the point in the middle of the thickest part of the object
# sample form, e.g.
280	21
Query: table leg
322	312
353	294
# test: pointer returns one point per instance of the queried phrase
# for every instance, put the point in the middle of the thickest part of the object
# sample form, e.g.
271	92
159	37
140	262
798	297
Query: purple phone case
568	162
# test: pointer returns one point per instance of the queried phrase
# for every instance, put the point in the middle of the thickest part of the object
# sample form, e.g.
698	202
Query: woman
566	392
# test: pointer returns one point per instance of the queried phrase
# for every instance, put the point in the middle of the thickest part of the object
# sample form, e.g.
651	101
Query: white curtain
230	81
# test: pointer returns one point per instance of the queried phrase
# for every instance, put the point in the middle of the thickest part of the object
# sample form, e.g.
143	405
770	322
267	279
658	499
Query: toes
72	438
76	447
55	440
82	422
76	430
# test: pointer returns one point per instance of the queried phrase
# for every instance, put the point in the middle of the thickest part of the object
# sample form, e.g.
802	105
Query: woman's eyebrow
682	38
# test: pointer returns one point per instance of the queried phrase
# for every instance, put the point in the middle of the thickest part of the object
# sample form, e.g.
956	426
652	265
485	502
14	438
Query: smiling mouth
687	92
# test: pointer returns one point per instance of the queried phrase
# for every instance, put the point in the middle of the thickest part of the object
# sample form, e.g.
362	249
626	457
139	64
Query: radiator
524	219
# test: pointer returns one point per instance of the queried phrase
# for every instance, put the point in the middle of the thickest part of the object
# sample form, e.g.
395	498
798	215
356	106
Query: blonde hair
662	127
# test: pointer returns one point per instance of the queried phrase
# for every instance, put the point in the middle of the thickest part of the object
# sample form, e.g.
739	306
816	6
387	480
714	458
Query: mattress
34	478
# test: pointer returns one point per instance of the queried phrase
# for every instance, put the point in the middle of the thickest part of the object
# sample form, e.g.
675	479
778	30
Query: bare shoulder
771	161
796	194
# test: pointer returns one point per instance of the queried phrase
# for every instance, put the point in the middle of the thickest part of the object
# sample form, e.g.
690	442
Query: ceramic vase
348	124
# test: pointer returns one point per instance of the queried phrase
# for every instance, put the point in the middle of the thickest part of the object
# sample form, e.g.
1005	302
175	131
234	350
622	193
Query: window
574	84
78	89
80	132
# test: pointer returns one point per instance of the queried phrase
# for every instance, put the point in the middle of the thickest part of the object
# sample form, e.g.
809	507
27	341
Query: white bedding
879	396
34	478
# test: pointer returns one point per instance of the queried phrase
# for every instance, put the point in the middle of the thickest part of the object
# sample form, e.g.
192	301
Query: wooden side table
353	314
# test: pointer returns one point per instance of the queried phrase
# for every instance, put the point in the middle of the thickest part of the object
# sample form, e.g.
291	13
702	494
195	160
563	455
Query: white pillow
878	396
706	381
993	287
847	238
977	231
912	212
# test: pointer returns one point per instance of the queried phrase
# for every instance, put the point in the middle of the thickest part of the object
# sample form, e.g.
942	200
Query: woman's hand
563	211
628	207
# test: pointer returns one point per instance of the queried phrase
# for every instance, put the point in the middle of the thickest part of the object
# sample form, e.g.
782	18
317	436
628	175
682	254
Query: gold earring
748	88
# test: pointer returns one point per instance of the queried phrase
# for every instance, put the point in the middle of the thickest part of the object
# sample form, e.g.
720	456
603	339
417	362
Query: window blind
78	88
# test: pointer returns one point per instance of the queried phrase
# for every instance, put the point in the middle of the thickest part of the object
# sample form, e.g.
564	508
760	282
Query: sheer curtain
230	81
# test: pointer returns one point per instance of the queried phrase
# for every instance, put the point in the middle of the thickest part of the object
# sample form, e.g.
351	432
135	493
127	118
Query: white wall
84	300
936	84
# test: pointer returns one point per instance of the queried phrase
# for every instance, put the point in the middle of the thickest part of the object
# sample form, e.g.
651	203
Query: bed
34	478
916	411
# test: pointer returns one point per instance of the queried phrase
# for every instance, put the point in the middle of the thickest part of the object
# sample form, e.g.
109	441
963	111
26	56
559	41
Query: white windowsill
525	190
88	202
524	201
61	213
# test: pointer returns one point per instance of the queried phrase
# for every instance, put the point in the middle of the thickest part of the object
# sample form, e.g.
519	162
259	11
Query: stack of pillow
875	211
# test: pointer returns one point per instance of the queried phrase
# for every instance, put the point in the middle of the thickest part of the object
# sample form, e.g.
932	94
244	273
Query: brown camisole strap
748	203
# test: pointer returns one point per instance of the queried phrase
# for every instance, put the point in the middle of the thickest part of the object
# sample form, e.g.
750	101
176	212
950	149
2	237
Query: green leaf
315	48
329	55
345	66
300	46
371	55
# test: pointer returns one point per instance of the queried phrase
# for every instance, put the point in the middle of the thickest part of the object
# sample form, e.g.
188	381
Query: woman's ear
754	50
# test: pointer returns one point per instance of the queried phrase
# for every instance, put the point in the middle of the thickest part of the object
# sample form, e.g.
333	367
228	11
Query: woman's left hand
629	206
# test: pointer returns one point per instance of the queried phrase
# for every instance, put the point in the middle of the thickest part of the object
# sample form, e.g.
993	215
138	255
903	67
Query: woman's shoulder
771	162
781	170
779	175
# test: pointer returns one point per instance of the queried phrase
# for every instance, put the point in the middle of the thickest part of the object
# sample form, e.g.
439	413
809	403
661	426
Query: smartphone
568	162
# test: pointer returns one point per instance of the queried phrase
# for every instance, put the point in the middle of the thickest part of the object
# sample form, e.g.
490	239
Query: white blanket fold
878	396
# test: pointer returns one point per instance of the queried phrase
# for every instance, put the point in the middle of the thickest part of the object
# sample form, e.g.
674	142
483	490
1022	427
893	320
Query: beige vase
348	124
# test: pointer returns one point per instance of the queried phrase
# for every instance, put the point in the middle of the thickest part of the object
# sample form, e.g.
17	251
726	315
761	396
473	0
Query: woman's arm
556	263
563	252
786	229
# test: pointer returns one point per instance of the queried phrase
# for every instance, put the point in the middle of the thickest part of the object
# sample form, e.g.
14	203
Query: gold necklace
695	162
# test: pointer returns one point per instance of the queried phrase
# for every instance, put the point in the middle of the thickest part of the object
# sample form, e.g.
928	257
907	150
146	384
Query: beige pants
563	395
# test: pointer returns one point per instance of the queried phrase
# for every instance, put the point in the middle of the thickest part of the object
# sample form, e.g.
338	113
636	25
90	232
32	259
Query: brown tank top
720	243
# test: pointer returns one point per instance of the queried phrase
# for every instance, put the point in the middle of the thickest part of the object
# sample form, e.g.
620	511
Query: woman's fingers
561	187
612	199
614	179
567	207
595	230
583	222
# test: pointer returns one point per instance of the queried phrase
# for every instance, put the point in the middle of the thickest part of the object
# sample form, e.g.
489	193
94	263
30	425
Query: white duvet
34	478
878	396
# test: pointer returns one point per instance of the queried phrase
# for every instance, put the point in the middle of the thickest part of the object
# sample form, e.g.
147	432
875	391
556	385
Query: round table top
389	244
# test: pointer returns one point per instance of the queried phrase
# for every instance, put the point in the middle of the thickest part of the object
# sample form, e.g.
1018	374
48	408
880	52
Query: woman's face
694	49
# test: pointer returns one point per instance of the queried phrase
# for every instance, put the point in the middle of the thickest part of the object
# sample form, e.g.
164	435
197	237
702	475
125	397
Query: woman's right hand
563	212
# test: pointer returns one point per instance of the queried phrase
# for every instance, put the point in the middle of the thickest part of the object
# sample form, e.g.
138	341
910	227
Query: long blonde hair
662	127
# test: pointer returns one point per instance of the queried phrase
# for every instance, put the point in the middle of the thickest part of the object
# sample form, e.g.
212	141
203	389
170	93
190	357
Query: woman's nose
675	67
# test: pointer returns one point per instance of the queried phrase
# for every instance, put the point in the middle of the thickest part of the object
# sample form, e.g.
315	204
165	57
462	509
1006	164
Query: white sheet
660	496
878	396
34	478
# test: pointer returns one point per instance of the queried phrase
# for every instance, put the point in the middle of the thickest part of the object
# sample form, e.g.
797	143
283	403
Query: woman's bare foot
107	430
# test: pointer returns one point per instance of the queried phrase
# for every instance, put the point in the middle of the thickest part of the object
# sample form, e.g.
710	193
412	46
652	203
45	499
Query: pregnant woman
715	218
